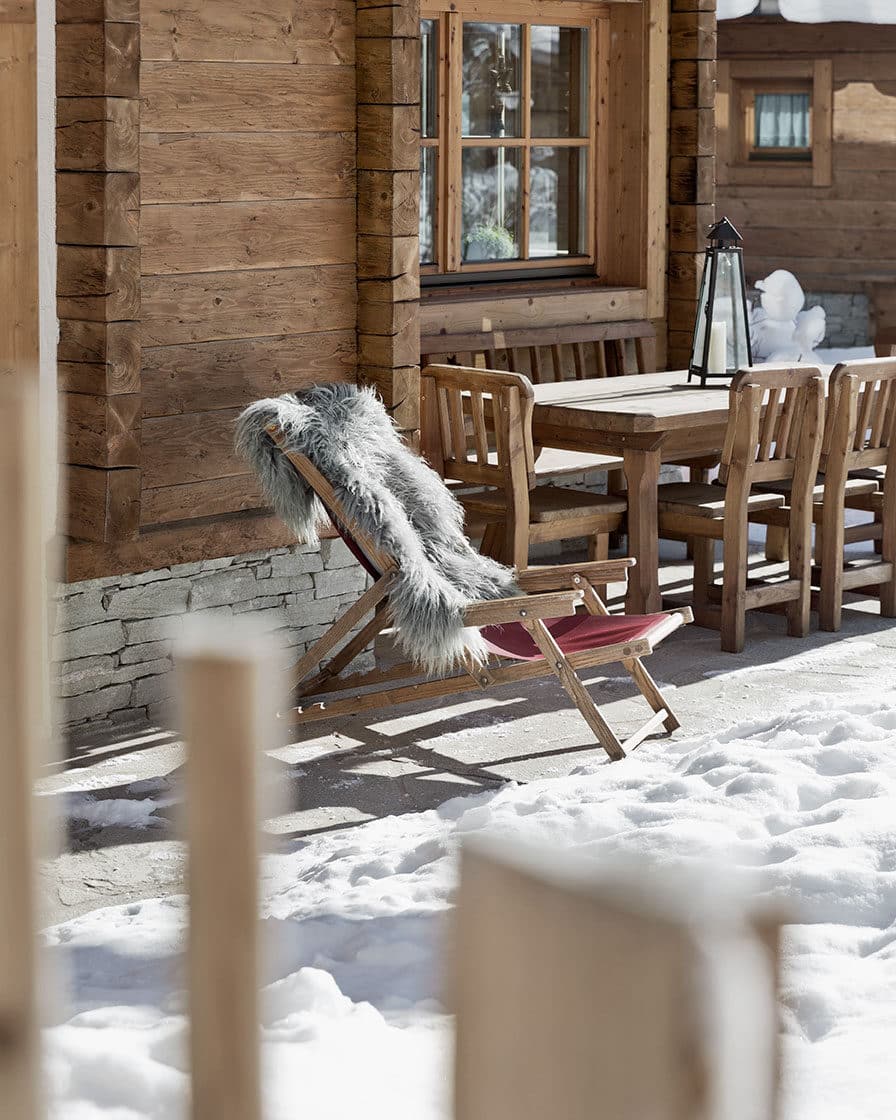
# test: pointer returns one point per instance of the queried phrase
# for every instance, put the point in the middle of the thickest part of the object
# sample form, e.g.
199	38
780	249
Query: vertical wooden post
22	698
224	713
22	738
581	993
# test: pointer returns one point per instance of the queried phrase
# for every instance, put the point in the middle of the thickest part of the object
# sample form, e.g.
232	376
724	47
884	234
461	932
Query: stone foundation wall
848	318
112	637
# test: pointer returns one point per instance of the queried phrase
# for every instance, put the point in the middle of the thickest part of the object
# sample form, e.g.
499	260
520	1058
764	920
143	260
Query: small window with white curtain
778	124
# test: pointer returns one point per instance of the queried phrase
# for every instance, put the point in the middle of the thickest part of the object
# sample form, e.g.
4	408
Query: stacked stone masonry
113	637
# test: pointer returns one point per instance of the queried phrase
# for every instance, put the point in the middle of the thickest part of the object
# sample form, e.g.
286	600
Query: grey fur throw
394	496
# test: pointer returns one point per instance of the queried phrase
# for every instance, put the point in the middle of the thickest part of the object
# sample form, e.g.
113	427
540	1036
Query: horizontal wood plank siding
246	166
248	259
840	236
238	97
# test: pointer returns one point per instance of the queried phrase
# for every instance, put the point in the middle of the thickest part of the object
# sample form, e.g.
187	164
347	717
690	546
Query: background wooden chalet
833	224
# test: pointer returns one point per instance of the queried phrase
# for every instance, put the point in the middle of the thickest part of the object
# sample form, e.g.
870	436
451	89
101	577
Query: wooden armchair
859	464
476	428
774	432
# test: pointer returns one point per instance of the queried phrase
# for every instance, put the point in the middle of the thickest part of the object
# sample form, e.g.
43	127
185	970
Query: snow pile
805	803
780	330
817	11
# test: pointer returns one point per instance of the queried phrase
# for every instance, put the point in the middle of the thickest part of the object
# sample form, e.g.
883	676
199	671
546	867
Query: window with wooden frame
510	160
775	122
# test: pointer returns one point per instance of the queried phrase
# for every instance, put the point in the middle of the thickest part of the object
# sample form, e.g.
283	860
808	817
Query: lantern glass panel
728	308
700	328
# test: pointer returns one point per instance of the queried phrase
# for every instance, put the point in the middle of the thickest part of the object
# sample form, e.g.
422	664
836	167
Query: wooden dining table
648	419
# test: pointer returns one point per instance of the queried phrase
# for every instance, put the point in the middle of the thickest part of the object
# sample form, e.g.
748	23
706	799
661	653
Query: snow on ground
353	1025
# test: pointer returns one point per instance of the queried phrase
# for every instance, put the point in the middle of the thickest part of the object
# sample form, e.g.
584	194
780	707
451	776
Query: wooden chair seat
855	487
553	461
548	503
701	499
877	475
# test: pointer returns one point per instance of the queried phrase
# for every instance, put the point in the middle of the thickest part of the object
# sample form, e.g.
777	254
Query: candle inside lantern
718	347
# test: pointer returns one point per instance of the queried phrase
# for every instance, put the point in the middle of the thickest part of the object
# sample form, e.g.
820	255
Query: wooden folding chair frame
323	691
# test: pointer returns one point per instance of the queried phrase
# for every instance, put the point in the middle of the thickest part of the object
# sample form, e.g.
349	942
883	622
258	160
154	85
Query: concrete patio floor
337	775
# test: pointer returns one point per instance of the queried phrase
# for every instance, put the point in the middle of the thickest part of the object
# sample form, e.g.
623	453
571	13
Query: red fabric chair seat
572	633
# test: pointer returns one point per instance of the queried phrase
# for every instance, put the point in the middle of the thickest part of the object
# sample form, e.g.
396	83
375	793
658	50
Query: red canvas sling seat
578	633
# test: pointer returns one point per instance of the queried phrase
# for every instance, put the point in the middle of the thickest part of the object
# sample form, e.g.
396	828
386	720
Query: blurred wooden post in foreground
23	730
587	995
23	709
224	713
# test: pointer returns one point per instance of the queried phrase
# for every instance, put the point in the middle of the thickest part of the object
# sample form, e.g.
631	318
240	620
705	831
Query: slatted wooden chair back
476	426
567	353
861	416
775	428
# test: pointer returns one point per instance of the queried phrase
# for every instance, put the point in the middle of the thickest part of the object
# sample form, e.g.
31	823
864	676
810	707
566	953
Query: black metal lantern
722	332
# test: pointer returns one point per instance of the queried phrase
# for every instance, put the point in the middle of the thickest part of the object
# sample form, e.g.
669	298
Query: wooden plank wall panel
247	145
839	237
691	163
98	273
388	46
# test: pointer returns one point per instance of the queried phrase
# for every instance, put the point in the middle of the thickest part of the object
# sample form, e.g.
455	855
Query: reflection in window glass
491	79
428	166
559	81
429	58
558	224
782	120
491	204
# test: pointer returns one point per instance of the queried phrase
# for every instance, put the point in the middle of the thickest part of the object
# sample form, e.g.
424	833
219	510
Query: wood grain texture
100	431
199	307
101	505
232	97
98	283
230	374
314	33
97	134
198	540
216	237
98	358
19	345
97	11
165	505
101	208
97	60
244	166
190	448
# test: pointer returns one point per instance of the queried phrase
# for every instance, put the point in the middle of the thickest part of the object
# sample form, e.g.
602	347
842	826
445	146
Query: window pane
782	120
491	203
491	80
428	168
559	81
558	222
429	77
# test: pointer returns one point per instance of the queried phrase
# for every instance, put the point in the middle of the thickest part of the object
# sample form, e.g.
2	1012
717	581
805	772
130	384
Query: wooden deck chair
774	432
476	428
532	635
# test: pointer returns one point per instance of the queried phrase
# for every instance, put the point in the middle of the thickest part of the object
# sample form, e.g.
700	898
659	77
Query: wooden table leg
642	473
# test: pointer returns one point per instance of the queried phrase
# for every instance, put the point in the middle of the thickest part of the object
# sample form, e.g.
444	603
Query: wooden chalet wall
692	77
223	271
238	207
839	237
